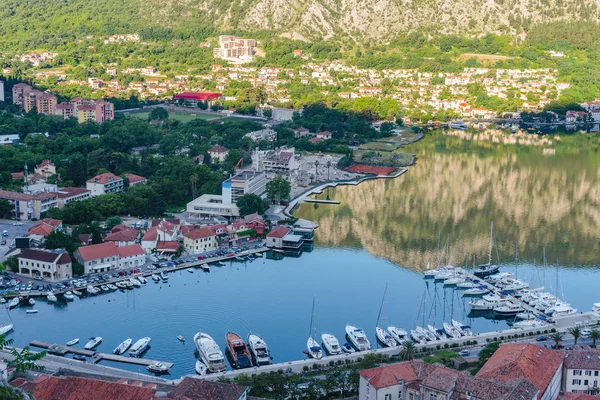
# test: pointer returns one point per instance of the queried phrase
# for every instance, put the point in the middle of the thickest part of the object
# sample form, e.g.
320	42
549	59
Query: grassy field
384	158
179	116
485	59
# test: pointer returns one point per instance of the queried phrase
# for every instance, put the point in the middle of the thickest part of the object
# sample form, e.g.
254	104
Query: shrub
501	337
437	347
446	345
305	368
315	366
331	363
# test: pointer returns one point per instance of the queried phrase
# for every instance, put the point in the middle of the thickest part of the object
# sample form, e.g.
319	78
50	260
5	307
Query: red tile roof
167	246
45	163
67	192
151	235
199	233
130	250
279	232
17	175
45	256
192	388
515	361
577	396
96	251
218	149
582	359
42	230
124	235
389	375
74	388
134	178
55	223
104	178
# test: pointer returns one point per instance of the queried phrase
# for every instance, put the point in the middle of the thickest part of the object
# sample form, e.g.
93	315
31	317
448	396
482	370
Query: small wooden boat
31	311
72	342
181	338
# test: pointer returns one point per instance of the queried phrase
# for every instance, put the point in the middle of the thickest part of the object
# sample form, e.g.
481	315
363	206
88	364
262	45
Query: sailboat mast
437	263
381	306
312	318
491	242
516	258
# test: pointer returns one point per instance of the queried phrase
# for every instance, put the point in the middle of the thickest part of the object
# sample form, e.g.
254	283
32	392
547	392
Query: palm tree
595	335
408	350
557	337
576	332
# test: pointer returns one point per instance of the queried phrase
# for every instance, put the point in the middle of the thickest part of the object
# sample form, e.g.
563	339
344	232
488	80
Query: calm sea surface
383	233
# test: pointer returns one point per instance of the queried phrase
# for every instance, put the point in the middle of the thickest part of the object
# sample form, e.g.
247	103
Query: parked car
3	242
464	352
541	338
17	224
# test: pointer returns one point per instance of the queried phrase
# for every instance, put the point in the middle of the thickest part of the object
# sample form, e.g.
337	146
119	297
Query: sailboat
488	269
312	346
384	336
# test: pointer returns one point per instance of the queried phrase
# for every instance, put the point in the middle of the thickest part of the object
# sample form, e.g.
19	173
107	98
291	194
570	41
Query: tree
12	264
557	338
250	203
278	188
158	114
111	222
60	240
595	335
408	350
5	207
232	158
576	332
22	360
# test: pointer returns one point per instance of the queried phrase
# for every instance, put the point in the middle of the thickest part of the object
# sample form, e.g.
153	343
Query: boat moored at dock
139	347
209	352
122	348
358	338
331	344
238	350
93	343
385	338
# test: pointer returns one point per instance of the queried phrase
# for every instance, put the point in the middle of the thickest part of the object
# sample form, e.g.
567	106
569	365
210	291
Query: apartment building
105	183
27	206
280	160
200	240
581	372
54	265
45	103
244	182
65	110
231	48
18	93
104	257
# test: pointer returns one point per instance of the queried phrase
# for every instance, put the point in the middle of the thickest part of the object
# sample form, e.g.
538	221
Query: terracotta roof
96	251
41	230
577	396
582	359
191	388
104	178
130	250
17	175
167	246
71	191
516	361
134	178
389	375
45	163
74	388
199	233
55	223
441	379
151	235
8	195
279	232
218	149
44	256
124	235
85	237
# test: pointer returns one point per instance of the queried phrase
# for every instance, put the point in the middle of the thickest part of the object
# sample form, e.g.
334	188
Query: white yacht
68	296
426	334
455	280
51	297
121	285
508	309
466	285
73	342
6	328
451	331
476	291
209	352
31	301
135	282
13	303
398	334
139	347
122	348
465	330
260	351
200	368
142	279
358	338
385	338
111	286
91	290
313	348
155	277
530	323
93	343
563	310
418	336
331	344
439	333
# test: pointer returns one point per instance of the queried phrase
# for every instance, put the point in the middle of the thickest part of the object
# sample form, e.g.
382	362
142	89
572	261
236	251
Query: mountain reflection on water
456	189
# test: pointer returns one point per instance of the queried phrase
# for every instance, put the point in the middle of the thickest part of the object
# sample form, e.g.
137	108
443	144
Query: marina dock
309	200
96	357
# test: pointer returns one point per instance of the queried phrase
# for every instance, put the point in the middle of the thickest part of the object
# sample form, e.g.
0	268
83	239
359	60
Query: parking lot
13	232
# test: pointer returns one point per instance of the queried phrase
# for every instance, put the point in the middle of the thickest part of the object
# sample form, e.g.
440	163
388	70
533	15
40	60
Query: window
576	381
432	396
400	393
577	372
588	373
388	397
411	397
595	373
585	382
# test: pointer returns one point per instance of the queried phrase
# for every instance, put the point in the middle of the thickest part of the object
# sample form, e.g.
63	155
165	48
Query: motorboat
451	331
221	264
79	357
93	343
563	310
91	290
190	270
122	348
121	285
530	323
455	280
260	351
398	334
181	338
31	302
34	311
6	328
111	286
135	282
2	300
476	291
439	333
13	303
347	348
418	336
104	288
508	309
139	347
205	267
77	293
51	297
128	284
485	305
385	338
209	352
358	338
142	279
68	296
155	277
331	344
201	368
465	330
164	276
466	285
158	368
73	342
238	350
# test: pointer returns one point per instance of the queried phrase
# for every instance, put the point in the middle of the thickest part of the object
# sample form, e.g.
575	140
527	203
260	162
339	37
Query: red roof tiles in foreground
74	388
515	361
95	251
279	232
577	396
191	388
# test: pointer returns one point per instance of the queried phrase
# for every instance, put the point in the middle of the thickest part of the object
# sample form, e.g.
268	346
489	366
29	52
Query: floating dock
96	357
309	200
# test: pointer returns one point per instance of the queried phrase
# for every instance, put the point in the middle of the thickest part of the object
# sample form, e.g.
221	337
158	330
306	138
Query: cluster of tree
278	189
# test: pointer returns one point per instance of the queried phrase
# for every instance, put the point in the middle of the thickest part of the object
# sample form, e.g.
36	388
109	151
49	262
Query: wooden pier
309	200
96	357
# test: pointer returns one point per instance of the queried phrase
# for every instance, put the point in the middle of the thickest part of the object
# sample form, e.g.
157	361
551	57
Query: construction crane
240	164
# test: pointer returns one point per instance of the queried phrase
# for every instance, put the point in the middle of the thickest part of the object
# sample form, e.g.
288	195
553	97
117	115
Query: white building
581	372
104	257
280	160
211	205
199	240
105	183
2	91
218	153
54	265
267	134
244	182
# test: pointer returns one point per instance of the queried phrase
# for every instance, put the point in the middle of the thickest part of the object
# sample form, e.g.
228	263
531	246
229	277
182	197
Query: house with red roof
218	152
135	179
46	169
190	388
106	256
540	366
198	240
283	237
42	228
54	265
419	380
122	235
105	183
325	135
581	372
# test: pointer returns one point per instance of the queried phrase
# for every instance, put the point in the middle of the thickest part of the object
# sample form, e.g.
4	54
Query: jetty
309	200
95	356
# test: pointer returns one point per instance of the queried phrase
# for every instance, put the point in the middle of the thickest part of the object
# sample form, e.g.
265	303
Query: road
13	232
